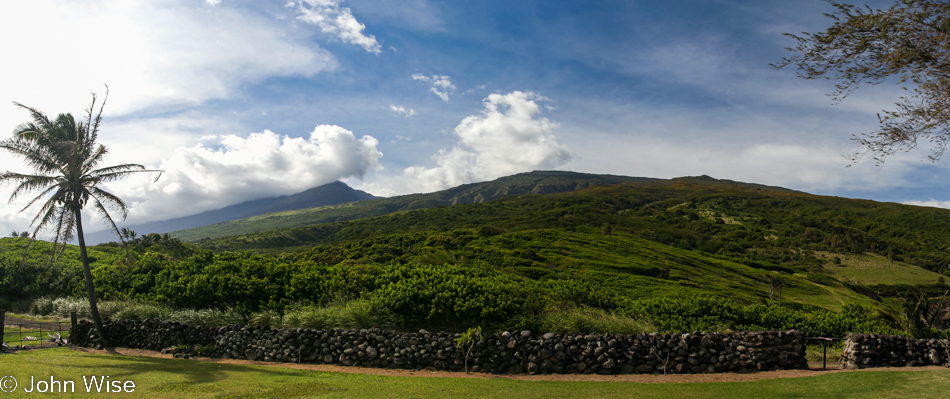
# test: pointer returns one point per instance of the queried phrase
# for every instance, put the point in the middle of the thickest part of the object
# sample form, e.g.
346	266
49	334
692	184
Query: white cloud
213	2
149	140
225	170
441	85
158	58
507	137
338	22
814	167
931	203
152	54
399	109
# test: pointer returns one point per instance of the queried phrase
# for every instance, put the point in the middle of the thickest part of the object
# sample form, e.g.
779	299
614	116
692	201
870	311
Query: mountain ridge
527	183
535	182
327	194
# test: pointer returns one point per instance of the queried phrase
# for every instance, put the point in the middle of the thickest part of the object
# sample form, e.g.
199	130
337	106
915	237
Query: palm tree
64	156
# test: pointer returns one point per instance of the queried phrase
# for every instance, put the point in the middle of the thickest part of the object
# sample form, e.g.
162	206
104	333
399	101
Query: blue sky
239	100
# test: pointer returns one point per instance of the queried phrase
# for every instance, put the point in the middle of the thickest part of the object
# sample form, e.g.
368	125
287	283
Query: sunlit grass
175	378
870	269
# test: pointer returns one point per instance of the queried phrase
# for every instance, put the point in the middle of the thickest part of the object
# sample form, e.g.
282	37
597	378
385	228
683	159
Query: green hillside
775	230
537	182
618	263
641	255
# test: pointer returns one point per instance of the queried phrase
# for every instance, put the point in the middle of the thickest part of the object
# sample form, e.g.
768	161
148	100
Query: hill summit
327	194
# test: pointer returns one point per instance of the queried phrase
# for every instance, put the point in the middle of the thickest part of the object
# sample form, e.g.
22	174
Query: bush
266	319
716	314
62	307
207	317
360	313
42	306
143	311
584	320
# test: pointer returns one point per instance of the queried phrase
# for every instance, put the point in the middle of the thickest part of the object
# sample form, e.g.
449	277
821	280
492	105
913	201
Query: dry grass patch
870	269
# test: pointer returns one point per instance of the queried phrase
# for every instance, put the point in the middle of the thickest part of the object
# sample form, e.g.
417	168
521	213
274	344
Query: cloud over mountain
225	170
508	137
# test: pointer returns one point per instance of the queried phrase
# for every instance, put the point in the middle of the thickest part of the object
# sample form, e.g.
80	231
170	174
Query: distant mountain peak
328	194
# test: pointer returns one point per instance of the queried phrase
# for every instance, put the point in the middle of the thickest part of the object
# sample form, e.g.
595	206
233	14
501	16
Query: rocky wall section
508	352
145	334
874	350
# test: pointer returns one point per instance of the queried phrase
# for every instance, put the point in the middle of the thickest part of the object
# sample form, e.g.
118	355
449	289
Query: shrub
587	320
360	313
42	306
143	311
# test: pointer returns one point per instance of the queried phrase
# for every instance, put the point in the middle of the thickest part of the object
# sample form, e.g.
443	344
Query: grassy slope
538	182
768	229
655	225
620	263
760	226
639	206
624	263
870	269
173	378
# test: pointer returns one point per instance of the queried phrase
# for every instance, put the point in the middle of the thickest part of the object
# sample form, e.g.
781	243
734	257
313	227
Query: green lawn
173	378
15	336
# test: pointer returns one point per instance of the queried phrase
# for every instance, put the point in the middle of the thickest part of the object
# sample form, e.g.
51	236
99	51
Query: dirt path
641	378
35	325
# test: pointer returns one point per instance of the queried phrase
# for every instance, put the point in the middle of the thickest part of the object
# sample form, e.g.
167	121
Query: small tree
469	339
774	285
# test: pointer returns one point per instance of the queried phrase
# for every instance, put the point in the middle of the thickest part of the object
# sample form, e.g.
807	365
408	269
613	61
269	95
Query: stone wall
508	352
874	350
145	334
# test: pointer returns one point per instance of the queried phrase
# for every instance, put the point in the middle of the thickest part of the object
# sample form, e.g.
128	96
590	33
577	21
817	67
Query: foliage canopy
909	41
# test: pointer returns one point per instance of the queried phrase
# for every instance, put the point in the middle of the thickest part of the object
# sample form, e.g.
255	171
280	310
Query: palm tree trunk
90	288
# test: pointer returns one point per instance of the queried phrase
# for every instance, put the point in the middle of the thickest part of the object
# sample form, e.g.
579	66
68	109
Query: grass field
30	338
870	269
34	336
174	378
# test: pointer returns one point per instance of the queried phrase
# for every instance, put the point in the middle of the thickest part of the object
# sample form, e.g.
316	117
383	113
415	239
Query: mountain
621	246
772	228
684	254
537	182
328	194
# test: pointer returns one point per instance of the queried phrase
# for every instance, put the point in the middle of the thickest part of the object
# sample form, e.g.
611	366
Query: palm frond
65	223
108	218
39	119
47	212
93	122
27	183
113	173
27	130
39	158
41	195
93	158
99	196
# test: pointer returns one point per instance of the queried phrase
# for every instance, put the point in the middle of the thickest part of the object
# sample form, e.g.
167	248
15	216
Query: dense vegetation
688	254
767	229
537	182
